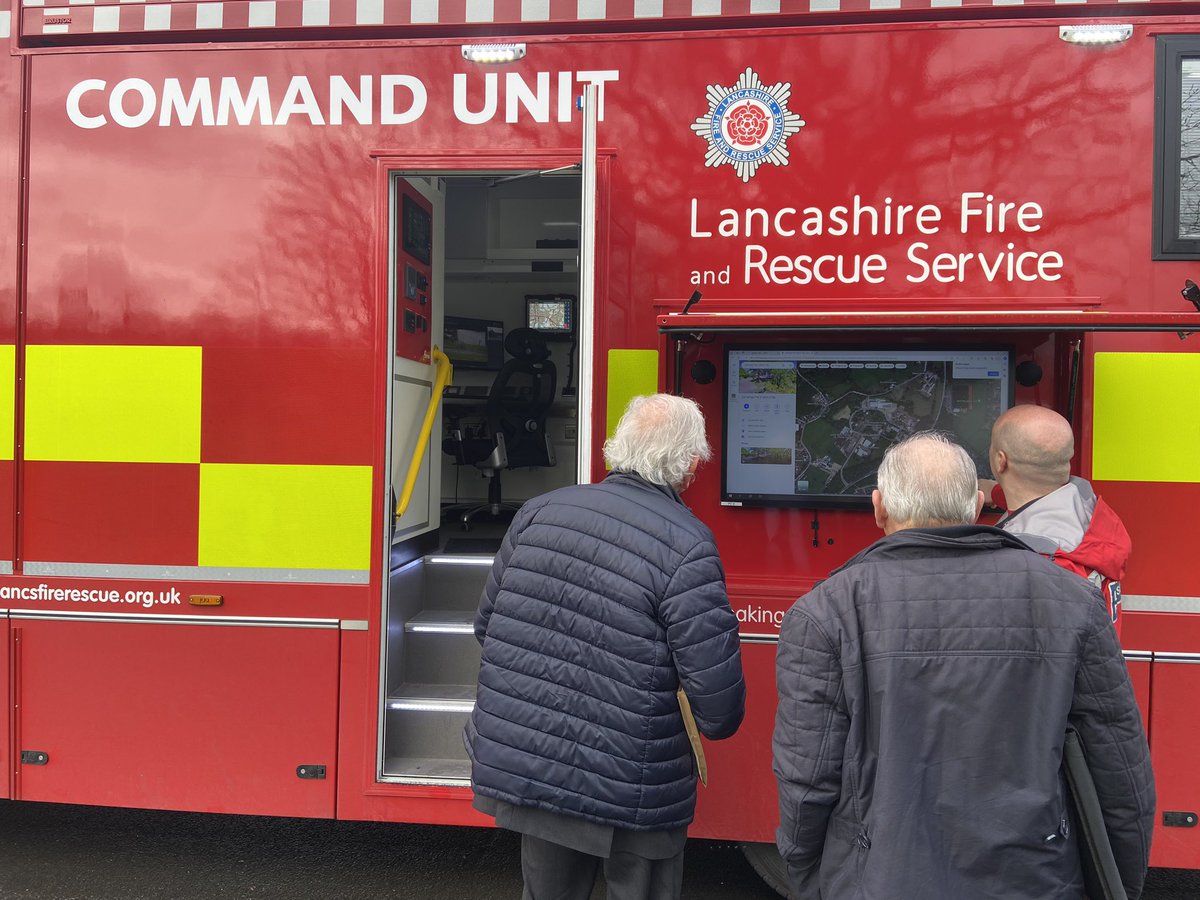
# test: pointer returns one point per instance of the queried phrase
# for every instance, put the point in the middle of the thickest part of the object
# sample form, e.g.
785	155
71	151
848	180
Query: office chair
514	432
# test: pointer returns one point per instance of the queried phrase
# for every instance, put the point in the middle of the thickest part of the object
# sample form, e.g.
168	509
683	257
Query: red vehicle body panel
284	717
267	246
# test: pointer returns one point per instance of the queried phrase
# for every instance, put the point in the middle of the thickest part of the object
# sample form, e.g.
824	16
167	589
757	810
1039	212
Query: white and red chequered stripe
137	16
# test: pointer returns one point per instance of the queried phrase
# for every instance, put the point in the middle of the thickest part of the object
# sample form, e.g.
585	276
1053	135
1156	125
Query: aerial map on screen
549	315
805	422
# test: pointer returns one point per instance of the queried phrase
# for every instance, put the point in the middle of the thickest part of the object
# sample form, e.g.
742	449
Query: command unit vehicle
267	266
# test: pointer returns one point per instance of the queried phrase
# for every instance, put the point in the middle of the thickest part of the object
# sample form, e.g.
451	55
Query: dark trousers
555	872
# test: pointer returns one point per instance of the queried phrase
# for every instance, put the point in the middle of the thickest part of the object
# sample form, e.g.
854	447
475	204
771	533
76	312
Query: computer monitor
550	314
474	343
808	426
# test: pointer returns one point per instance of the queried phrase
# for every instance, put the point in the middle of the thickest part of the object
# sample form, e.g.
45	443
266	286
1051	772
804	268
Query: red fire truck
245	240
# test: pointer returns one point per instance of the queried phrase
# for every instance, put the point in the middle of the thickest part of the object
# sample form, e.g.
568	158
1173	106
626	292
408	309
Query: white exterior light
493	53
1095	34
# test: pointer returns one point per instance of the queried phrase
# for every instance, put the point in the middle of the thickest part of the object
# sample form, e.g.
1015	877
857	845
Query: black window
1177	148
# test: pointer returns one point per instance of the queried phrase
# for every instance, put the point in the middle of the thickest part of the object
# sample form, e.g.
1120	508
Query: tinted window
1177	149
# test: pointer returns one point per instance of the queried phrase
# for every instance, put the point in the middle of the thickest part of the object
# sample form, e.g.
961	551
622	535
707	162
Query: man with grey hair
603	601
924	692
1058	515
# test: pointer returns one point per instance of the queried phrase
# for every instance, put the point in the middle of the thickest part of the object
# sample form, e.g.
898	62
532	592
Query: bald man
1058	515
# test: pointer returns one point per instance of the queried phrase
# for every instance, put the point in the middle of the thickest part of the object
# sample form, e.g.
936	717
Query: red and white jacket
1076	529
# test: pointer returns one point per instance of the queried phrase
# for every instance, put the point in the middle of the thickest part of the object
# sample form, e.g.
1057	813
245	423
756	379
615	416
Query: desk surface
465	392
559	409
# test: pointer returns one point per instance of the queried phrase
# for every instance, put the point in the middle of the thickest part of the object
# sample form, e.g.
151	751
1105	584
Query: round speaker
1028	373
703	371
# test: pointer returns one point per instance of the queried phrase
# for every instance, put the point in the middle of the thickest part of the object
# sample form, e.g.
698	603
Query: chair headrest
525	343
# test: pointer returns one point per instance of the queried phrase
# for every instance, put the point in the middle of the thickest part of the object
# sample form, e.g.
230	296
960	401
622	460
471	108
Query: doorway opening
486	266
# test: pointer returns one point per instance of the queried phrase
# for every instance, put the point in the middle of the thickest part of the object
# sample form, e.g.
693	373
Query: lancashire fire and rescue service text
973	213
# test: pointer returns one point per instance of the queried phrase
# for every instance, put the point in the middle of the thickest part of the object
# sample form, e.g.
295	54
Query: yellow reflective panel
631	373
112	404
285	517
8	376
1146	417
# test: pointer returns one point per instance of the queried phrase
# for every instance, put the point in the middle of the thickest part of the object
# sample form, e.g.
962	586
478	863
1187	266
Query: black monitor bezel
550	333
832	501
495	351
416	233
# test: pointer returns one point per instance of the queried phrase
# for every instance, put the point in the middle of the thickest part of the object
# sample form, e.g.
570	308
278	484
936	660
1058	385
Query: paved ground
56	852
53	852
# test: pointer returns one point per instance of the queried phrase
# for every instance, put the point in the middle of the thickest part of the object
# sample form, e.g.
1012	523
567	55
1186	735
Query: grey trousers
555	872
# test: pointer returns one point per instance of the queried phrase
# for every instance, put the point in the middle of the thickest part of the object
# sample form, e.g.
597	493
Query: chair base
495	510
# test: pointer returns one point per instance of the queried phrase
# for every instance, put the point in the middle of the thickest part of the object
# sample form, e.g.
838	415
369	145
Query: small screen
808	427
417	232
550	314
474	343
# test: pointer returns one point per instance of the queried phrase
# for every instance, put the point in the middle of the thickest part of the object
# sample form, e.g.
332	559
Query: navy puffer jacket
603	600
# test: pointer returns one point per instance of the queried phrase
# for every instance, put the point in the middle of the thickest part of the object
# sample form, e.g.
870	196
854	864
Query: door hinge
308	771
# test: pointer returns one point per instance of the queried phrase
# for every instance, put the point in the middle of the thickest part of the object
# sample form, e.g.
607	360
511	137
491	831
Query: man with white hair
924	692
603	601
1058	515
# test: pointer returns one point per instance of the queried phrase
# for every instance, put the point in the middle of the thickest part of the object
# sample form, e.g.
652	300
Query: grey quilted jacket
603	599
925	689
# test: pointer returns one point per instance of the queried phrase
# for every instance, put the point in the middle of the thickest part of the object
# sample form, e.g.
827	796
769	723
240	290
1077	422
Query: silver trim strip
419	528
198	573
257	621
1157	603
1144	655
408	379
418	780
587	286
354	624
759	638
6	567
1186	658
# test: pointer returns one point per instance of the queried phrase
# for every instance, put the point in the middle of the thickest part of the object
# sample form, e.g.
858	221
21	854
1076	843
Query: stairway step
454	581
422	768
442	621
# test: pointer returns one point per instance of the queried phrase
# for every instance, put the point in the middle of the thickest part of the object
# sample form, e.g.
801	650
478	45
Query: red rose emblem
746	125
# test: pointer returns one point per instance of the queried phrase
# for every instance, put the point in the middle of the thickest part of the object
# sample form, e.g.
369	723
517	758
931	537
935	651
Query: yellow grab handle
444	373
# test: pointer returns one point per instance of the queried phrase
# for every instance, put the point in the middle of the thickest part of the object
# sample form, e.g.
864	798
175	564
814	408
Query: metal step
425	722
454	580
426	769
440	648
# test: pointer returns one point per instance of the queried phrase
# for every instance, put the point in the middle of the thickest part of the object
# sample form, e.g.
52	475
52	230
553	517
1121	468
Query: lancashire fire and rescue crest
747	125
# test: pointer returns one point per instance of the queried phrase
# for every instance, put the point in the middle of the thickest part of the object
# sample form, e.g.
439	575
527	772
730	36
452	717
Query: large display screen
809	426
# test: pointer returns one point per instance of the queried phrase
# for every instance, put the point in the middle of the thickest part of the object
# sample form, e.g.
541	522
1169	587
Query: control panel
414	260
